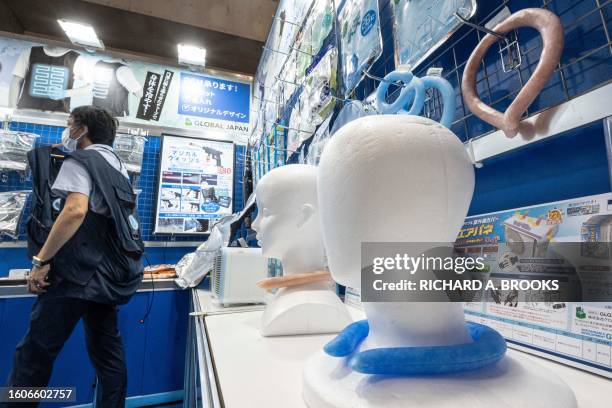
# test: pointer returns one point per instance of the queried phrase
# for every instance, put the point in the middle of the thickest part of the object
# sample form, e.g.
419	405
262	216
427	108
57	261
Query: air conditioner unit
528	236
596	234
235	274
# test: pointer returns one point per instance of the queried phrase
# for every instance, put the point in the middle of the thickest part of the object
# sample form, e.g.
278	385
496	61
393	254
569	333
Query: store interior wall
570	165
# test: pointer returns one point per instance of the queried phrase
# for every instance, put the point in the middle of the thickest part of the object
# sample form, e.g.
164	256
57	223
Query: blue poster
214	98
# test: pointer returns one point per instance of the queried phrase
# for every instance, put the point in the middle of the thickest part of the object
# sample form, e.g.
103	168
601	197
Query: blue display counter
154	330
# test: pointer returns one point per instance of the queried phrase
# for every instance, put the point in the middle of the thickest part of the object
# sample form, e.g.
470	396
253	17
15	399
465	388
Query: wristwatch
39	263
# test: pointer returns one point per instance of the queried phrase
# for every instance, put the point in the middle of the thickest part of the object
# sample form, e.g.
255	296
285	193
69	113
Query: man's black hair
101	125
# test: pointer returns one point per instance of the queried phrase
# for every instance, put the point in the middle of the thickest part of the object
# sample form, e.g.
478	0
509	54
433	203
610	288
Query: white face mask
69	143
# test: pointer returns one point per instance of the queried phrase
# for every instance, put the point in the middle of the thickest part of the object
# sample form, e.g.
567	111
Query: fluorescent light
191	55
81	34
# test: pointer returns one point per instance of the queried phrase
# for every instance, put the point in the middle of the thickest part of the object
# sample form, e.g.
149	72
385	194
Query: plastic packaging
318	143
130	149
421	26
351	111
193	267
11	208
360	40
300	128
317	27
271	106
320	89
14	148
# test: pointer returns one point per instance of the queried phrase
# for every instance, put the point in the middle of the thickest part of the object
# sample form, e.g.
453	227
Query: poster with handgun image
568	242
196	184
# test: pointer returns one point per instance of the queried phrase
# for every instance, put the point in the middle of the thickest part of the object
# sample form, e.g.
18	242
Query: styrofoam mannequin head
395	178
390	178
287	223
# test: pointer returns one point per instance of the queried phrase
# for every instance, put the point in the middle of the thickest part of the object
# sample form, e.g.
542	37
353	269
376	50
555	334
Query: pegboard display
586	62
146	183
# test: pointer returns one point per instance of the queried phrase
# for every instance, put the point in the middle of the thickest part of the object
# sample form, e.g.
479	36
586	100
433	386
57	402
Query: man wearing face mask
89	263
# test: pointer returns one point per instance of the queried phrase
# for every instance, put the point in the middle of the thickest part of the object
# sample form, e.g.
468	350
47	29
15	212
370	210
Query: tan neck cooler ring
550	28
294	280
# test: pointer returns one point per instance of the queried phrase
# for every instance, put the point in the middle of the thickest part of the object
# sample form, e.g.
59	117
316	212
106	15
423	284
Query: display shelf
147	182
251	370
569	115
14	289
570	99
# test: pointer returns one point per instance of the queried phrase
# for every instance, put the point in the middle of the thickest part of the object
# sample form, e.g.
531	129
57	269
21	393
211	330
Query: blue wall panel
155	348
569	166
147	181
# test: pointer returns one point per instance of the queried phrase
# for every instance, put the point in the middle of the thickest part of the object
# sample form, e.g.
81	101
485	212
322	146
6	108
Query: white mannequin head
394	178
287	223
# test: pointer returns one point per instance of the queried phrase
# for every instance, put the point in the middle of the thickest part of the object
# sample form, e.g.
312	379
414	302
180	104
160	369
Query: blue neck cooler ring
381	92
488	347
448	97
411	99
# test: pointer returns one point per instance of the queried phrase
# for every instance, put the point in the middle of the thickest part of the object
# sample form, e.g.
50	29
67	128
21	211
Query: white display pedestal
256	371
315	309
511	383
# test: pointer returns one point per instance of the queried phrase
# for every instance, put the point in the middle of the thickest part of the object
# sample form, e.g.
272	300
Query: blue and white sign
368	21
214	98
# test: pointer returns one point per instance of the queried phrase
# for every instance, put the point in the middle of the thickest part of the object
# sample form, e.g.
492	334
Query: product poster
421	26
55	79
196	184
526	243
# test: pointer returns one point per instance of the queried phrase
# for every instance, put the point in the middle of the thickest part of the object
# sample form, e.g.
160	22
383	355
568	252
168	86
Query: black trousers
51	322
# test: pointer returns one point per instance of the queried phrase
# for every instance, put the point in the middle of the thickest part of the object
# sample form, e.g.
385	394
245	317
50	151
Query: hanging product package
130	149
351	111
360	40
289	76
270	107
293	133
193	267
317	27
280	153
421	26
321	89
300	128
11	208
14	148
319	140
289	18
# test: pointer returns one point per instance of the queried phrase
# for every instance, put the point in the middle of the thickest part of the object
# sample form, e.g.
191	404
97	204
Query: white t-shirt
73	177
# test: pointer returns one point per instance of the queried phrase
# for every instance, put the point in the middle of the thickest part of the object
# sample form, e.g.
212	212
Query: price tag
433	71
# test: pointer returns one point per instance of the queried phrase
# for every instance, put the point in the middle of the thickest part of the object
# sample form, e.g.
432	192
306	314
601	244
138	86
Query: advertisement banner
516	245
54	79
196	184
526	242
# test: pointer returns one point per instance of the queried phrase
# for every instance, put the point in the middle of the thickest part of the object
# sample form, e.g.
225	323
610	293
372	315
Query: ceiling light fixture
81	34
191	55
